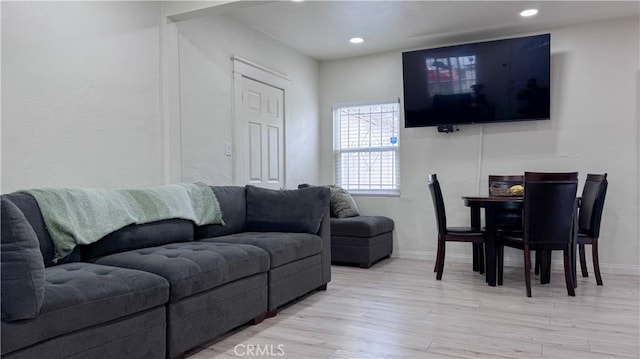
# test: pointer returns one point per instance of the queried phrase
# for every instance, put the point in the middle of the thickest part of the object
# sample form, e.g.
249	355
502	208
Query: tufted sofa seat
83	295
291	254
282	248
194	270
193	267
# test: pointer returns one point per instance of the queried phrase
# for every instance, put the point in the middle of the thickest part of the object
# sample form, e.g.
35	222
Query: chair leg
440	258
568	273
583	260
481	263
537	265
596	261
546	273
500	260
435	266
475	264
527	269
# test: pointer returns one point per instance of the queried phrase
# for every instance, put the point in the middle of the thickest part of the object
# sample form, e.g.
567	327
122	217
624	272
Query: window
367	148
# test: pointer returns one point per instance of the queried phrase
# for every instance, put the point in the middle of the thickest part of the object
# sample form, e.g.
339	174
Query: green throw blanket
83	216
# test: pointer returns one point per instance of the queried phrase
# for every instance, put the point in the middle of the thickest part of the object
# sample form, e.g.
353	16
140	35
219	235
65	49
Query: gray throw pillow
298	211
22	266
342	204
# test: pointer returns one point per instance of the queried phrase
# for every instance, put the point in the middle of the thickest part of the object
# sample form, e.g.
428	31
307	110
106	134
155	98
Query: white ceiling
322	29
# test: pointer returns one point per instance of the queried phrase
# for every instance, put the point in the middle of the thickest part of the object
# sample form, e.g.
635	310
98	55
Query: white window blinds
367	148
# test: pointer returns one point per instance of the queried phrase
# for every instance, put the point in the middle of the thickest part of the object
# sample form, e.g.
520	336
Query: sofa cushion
82	295
233	204
193	267
298	211
361	226
282	247
22	266
138	236
31	211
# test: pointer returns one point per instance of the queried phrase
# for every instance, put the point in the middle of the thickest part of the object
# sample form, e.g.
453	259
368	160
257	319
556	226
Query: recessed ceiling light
356	40
297	0
528	12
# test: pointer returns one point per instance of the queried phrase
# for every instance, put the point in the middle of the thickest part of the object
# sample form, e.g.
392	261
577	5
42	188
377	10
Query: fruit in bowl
516	190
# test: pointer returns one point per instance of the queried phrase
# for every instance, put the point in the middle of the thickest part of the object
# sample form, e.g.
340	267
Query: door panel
254	101
255	152
273	136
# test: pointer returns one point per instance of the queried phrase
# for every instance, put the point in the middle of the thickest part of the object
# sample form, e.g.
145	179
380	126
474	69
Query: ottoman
361	240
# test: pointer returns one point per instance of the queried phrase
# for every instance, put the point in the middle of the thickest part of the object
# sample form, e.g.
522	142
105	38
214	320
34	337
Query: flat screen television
482	82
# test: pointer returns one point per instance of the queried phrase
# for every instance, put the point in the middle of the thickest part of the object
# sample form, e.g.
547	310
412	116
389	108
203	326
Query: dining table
491	205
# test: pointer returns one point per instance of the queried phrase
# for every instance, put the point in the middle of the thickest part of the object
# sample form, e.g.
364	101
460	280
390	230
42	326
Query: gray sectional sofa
159	289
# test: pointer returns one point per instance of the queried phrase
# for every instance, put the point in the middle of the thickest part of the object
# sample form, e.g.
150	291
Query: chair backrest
438	203
592	204
549	207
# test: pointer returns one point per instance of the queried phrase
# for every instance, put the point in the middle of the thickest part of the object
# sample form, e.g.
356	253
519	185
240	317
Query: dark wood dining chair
590	215
548	222
511	219
451	234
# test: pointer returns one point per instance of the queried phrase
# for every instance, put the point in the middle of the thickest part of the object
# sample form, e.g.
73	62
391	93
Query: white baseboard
515	261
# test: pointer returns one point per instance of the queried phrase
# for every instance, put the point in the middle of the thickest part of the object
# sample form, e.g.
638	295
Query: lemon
516	189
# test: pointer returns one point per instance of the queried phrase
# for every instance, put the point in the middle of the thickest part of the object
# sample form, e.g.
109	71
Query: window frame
394	148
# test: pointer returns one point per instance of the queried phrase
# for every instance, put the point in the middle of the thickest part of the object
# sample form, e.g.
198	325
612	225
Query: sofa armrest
325	233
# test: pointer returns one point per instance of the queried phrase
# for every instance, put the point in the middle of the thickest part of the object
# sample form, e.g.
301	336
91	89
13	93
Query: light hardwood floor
397	309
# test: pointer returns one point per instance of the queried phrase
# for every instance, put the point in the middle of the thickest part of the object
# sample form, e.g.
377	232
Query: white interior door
260	135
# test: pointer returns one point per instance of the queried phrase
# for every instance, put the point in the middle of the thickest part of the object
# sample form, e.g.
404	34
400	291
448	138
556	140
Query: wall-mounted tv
482	82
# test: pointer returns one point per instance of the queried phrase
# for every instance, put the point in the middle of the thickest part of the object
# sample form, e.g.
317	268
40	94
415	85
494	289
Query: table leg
475	224
490	246
475	218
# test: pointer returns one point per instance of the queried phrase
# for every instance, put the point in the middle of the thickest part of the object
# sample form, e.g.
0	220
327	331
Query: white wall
206	107
108	94
593	128
81	95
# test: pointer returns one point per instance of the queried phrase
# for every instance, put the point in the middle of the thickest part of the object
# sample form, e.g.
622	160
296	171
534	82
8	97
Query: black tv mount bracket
447	128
